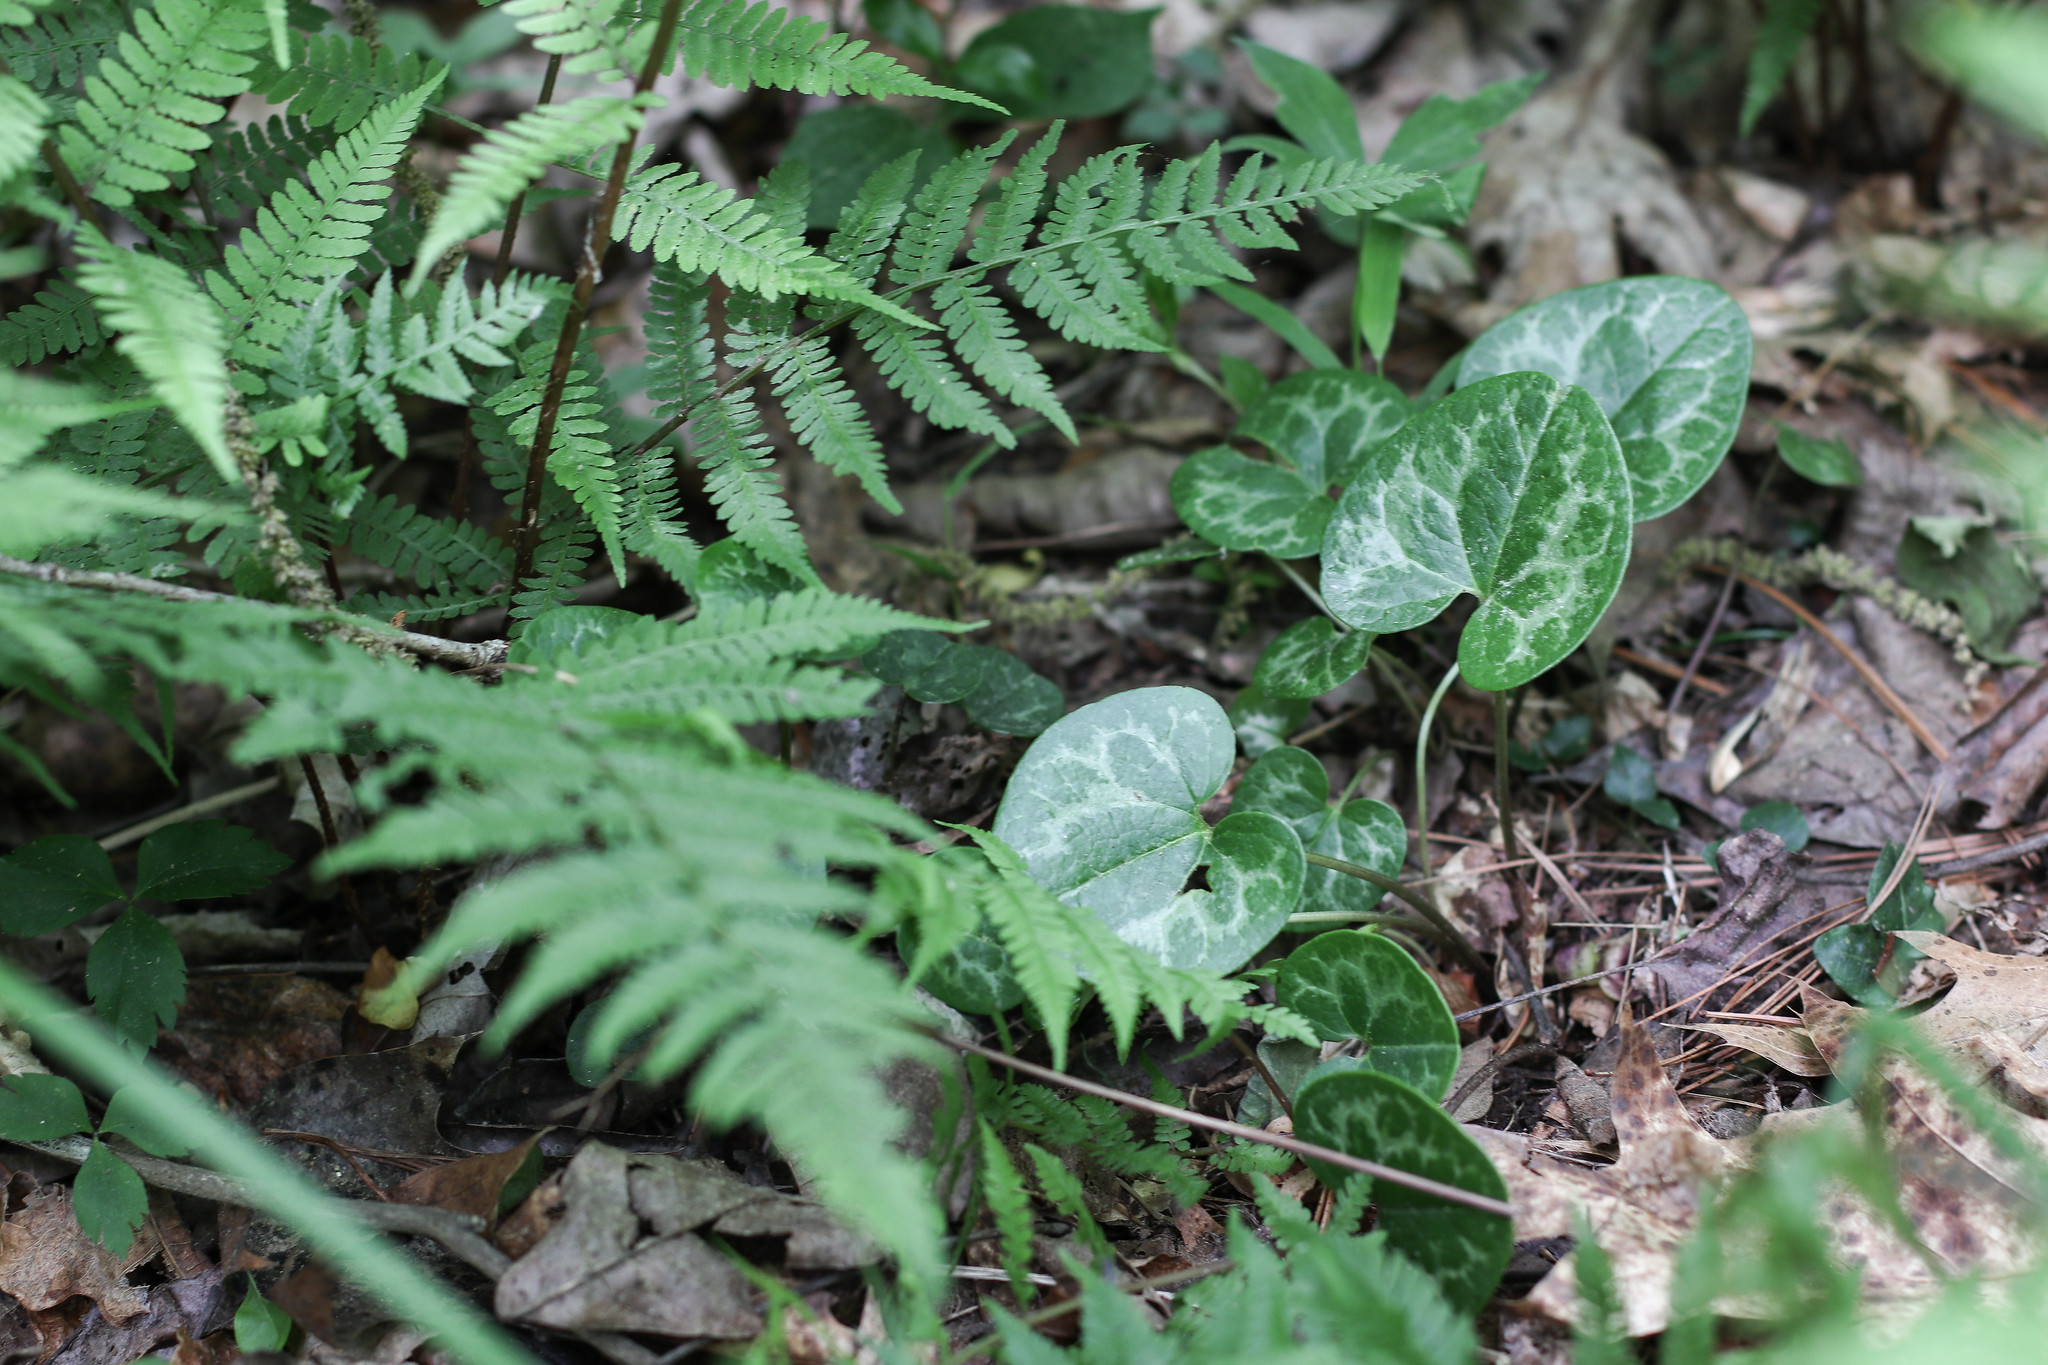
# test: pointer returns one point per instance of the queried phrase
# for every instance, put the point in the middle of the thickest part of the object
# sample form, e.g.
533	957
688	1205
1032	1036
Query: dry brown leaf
472	1185
1788	1047
45	1259
1994	993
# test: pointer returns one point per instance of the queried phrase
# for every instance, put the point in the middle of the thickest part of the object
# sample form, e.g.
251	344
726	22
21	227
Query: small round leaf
1830	463
1010	698
1290	783
1309	658
1362	985
1666	358
1512	490
1369	1114
1781	818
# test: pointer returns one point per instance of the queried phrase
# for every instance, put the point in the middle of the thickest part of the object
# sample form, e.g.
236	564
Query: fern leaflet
337	79
434	553
63	45
143	112
581	457
61	319
578	31
22	113
827	418
732	43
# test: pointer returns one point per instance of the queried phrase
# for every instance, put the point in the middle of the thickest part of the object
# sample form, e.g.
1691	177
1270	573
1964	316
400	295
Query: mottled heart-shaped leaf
1240	503
1666	358
1105	812
1369	1114
1290	783
1309	658
1351	984
1511	489
1324	422
1263	723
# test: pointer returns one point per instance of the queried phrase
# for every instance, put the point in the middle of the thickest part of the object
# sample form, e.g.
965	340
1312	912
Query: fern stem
74	193
503	265
1441	926
595	240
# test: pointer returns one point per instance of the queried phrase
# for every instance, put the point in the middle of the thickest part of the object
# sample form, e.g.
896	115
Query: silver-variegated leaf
1324	422
1512	489
1290	783
1309	658
1105	812
1240	503
1667	359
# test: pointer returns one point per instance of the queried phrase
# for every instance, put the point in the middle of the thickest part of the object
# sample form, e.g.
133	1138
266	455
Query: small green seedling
1565	742
1105	812
260	1325
1360	985
1290	783
107	1196
1830	463
1667	359
1319	426
997	689
1781	818
1863	958
134	972
1632	782
1371	1114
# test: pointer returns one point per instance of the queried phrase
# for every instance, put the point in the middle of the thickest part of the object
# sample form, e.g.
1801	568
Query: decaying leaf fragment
45	1259
628	1255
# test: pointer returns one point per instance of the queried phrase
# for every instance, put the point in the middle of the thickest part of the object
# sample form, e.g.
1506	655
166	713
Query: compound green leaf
1105	813
51	882
1372	1115
1512	489
1353	984
260	1325
130	1117
196	859
1666	358
1309	658
37	1108
136	977
1325	422
1829	462
1290	783
1240	503
108	1199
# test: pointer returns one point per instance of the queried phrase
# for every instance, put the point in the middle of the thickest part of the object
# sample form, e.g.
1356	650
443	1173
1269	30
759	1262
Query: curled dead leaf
1788	1047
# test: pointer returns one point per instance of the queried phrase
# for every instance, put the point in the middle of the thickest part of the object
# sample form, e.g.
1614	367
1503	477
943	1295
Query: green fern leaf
337	79
651	501
732	43
61	319
579	31
739	478
303	238
987	340
938	216
22	113
581	458
1010	1205
827	418
171	332
247	166
915	365
1038	933
560	563
869	223
435	553
142	114
682	360
1007	225
63	45
505	162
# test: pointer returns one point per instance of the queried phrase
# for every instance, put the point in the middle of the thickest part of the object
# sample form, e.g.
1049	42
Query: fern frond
171	332
826	417
650	503
504	163
61	319
581	458
337	79
1037	931
423	350
915	365
63	44
739	477
560	563
143	113
937	223
696	225
22	114
1007	225
732	43
579	31
869	223
682	359
304	238
1009	1204
246	166
433	552
987	340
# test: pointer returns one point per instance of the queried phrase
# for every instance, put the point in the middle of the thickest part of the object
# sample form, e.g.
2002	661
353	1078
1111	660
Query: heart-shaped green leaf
1263	723
1325	422
975	975
1010	698
996	688
1511	489
1666	358
1352	984
1240	503
201	858
1290	783
1369	1114
1632	781
51	882
1309	658
1105	812
1781	818
1863	958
